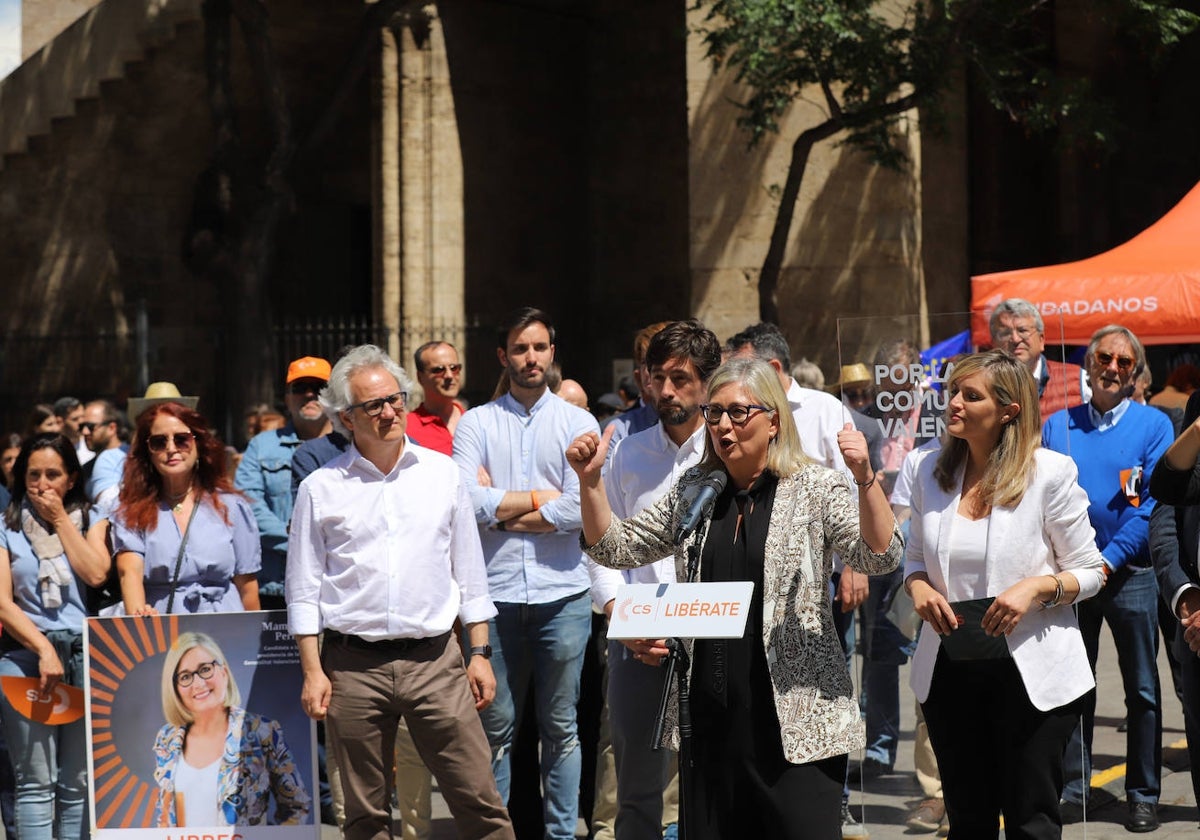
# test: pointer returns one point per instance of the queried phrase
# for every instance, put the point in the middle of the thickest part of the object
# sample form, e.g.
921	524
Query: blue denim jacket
265	476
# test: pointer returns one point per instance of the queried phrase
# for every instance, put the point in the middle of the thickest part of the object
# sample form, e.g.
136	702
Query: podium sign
684	610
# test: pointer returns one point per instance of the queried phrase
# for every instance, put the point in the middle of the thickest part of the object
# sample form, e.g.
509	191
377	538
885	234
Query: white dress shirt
641	470
385	556
819	417
523	451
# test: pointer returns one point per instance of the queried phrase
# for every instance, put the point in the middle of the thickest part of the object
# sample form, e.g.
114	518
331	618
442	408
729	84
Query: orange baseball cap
308	367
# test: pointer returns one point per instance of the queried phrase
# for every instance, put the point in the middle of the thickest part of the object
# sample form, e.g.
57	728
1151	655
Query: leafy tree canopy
874	60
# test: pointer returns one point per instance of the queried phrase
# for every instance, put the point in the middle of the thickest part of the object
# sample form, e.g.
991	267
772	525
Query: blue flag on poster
934	359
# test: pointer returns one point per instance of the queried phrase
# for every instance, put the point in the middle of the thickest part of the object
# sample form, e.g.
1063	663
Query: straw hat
855	374
159	392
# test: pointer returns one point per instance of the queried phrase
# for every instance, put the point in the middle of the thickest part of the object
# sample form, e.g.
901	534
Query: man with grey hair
383	557
1116	444
1017	326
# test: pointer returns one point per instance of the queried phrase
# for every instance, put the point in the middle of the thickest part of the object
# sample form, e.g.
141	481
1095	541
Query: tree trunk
768	277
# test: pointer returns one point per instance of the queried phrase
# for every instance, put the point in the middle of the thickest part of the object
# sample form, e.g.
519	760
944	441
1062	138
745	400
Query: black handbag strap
179	558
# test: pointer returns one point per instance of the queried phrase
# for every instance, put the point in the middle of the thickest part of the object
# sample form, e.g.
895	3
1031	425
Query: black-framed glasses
183	441
373	408
204	671
739	415
302	388
438	370
1106	359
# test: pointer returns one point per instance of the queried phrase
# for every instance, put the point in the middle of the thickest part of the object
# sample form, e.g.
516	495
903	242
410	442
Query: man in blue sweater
1116	443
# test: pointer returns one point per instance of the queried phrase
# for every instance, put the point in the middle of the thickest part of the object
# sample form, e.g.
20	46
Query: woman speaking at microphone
773	713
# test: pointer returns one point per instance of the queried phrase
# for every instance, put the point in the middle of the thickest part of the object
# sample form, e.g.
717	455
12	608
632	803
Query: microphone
699	499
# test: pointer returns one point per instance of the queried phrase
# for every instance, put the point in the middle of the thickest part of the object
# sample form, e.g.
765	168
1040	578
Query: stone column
431	190
385	154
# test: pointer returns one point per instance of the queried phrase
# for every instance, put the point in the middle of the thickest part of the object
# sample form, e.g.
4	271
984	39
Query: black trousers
741	785
997	753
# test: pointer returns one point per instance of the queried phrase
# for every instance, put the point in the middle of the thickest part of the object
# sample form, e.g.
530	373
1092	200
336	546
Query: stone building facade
578	155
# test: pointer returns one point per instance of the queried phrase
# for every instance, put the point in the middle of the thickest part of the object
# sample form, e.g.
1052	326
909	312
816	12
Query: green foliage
873	61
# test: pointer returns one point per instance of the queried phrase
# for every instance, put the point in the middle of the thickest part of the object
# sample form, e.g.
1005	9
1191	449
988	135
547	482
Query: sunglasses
182	440
1106	359
438	370
87	427
300	388
373	408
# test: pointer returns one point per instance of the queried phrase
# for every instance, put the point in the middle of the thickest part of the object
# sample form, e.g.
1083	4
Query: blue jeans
545	643
50	763
634	690
1129	604
885	650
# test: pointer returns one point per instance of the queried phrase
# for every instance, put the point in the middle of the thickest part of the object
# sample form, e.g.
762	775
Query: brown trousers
427	686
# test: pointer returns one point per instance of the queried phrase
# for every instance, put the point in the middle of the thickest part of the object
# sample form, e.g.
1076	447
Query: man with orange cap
265	473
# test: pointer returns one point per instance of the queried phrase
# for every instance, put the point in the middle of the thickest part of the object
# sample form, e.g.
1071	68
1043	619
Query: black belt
384	646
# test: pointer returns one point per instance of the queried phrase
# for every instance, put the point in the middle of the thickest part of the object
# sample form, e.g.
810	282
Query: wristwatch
482	650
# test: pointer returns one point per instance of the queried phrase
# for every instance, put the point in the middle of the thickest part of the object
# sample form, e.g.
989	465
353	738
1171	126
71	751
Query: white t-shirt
197	787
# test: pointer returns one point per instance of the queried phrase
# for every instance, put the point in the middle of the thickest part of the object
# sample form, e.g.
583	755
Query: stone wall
857	246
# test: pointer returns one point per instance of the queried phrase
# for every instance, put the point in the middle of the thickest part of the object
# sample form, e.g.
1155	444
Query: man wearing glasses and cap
265	473
1116	442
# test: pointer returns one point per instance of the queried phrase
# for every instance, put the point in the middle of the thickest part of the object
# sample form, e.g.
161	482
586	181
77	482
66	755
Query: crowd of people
442	565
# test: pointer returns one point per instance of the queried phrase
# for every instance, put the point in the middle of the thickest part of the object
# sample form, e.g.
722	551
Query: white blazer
1047	532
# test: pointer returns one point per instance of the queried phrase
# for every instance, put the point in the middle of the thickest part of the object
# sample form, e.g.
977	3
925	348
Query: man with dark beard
679	360
529	525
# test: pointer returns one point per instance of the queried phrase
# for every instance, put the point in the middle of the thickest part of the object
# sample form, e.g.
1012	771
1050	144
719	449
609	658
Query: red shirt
429	431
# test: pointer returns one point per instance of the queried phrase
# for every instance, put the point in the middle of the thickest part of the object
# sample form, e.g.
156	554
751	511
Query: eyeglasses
1106	359
373	408
204	671
182	440
301	388
1004	333
87	427
438	370
739	415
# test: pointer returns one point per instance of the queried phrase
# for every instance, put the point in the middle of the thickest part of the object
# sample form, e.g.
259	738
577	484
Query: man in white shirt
680	359
383	556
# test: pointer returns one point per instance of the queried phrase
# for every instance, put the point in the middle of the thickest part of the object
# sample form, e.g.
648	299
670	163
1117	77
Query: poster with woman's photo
195	729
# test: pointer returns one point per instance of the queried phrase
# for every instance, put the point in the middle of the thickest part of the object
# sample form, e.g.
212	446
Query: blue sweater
1139	439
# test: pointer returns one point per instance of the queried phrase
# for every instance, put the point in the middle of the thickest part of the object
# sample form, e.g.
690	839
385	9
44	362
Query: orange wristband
533	498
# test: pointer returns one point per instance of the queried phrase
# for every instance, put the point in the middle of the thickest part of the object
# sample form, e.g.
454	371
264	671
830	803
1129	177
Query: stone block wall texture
94	219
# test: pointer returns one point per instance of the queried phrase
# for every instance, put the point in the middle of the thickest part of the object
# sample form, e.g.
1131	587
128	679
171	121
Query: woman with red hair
185	539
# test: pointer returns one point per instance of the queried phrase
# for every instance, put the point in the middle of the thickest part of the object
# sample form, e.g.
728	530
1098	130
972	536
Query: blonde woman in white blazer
996	516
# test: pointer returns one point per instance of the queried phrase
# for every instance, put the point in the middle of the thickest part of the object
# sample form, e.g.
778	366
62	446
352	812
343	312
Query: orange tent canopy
1151	285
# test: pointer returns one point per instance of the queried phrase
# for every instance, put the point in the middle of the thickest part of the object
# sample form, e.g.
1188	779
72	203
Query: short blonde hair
785	455
173	709
1010	464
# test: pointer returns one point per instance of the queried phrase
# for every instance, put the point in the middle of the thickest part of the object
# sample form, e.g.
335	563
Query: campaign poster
195	730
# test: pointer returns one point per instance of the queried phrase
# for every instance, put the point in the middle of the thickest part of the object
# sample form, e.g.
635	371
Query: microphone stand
677	664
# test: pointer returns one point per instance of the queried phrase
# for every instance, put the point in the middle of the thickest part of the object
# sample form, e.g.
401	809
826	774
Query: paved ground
885	802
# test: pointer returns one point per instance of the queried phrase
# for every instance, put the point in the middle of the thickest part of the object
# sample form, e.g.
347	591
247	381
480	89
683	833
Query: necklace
176	502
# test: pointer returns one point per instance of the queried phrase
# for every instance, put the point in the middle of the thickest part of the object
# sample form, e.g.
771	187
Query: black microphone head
717	479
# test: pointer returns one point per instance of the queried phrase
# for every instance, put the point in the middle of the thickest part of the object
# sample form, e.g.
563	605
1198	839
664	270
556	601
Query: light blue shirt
217	550
525	451
27	594
1109	419
107	471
